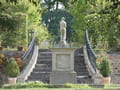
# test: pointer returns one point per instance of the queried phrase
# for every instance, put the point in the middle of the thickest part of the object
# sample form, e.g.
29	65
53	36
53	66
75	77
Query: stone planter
12	80
106	80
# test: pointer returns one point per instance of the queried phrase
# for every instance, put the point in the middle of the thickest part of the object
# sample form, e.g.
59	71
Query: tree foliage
100	18
52	15
17	17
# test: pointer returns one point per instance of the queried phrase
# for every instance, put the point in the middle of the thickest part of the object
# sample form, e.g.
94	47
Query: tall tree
52	16
20	17
101	20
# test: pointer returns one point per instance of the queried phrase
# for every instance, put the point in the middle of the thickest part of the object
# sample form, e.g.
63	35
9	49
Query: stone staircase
43	67
80	68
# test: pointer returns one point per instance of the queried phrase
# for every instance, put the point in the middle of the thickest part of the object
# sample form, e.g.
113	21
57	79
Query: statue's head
63	18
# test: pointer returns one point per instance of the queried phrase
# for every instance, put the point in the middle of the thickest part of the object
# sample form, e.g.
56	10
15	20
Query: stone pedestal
62	66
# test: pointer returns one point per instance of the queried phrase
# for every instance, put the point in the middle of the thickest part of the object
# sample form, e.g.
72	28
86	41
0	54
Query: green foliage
51	16
42	85
100	18
78	10
12	68
17	18
52	20
103	24
105	68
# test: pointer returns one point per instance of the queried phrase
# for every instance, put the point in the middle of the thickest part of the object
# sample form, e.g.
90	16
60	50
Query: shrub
105	68
3	63
12	68
20	63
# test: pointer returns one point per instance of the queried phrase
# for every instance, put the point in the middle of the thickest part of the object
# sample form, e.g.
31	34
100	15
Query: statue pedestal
62	66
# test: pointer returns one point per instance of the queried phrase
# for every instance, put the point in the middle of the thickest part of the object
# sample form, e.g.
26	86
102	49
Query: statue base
62	77
63	44
62	66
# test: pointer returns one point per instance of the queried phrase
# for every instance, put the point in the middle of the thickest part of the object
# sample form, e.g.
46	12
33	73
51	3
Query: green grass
43	86
52	89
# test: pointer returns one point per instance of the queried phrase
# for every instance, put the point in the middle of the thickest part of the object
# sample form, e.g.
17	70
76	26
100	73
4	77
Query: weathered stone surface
29	68
62	66
9	54
43	67
62	77
63	59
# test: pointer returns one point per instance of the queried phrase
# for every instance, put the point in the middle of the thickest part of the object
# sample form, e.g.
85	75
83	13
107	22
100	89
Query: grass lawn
43	86
58	89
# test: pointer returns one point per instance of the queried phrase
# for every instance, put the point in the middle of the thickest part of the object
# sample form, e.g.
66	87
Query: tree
78	11
21	17
52	15
101	20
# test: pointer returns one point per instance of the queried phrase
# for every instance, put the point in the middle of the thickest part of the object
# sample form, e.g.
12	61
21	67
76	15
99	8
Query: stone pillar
62	66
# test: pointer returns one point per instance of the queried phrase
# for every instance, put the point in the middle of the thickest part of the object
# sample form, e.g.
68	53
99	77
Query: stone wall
9	54
114	57
3	79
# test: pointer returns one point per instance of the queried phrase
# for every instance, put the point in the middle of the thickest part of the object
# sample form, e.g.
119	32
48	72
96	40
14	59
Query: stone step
45	58
78	58
84	80
79	51
79	63
39	79
79	55
42	69
80	70
45	55
39	74
44	62
44	50
83	73
42	66
80	67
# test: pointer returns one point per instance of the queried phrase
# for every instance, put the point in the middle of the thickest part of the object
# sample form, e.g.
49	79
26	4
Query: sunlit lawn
53	87
58	89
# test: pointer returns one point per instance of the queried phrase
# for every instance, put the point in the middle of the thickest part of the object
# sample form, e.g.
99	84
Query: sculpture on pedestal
63	26
62	60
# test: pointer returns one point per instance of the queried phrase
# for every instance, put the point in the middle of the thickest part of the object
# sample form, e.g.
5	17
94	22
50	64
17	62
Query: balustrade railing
91	54
29	53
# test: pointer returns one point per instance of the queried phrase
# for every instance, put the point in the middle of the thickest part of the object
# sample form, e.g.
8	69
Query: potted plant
105	70
12	70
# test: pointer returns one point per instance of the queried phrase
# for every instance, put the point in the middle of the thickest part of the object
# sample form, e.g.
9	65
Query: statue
63	26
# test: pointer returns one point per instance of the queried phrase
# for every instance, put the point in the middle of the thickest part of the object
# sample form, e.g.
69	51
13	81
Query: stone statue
63	26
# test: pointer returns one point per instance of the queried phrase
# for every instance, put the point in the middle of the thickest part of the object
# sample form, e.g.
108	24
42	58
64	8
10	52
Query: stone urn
106	80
